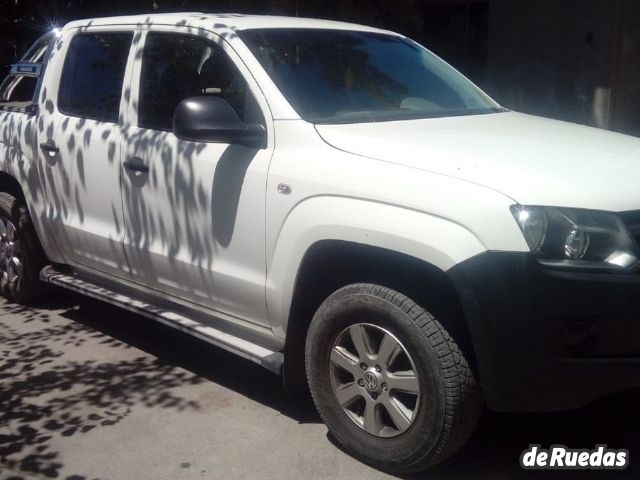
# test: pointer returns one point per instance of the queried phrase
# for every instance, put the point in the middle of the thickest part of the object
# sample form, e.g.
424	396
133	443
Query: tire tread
29	289
463	402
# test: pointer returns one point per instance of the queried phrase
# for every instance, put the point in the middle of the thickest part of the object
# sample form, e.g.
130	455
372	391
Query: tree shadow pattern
41	394
45	397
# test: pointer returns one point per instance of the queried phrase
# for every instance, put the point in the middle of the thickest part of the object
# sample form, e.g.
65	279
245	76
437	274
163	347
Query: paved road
89	391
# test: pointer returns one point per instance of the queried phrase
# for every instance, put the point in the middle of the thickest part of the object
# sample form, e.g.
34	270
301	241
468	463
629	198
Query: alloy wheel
10	251
374	380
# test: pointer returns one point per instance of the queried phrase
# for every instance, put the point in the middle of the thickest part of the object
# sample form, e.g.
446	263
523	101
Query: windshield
338	76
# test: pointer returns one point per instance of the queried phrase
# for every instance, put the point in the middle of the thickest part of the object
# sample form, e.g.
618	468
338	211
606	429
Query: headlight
577	238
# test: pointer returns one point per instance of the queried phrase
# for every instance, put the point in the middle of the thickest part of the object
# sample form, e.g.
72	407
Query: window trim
132	33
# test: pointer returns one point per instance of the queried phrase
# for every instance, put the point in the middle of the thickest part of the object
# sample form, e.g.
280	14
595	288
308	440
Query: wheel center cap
371	381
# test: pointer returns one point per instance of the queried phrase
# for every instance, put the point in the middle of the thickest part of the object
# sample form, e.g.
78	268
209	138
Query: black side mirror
213	120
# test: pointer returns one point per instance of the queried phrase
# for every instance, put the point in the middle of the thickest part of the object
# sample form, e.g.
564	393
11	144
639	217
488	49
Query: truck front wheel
21	256
389	382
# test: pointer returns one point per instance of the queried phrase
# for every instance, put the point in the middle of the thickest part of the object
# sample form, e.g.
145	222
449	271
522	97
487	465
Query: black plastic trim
546	339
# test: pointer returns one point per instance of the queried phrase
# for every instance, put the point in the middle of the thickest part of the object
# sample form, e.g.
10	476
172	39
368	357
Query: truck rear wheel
21	256
389	382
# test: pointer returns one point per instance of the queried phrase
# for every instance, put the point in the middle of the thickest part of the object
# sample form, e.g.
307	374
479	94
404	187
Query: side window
93	74
175	67
19	89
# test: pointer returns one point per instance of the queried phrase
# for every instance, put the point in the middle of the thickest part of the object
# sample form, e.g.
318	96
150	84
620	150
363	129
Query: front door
80	135
194	212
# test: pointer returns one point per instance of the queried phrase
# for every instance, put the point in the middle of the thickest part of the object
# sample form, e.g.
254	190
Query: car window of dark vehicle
93	74
175	67
336	76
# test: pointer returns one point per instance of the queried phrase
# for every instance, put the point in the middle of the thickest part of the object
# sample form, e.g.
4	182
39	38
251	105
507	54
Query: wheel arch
327	242
10	184
330	264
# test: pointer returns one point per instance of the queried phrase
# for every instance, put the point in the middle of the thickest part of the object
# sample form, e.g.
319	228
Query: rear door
80	131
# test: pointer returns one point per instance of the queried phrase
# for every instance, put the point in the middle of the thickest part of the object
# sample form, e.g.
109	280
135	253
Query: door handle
50	149
135	164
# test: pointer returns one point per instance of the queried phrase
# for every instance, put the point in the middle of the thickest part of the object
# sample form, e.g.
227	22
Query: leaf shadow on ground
40	393
45	395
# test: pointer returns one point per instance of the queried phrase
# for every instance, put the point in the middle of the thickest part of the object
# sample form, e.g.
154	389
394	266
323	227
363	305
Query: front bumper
548	340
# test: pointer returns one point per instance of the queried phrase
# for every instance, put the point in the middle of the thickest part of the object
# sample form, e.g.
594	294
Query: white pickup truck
335	203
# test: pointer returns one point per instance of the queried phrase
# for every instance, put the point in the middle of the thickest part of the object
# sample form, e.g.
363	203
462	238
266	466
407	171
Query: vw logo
370	381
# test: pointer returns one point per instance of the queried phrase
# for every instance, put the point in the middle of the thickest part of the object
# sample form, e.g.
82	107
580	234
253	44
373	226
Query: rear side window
19	88
177	66
93	75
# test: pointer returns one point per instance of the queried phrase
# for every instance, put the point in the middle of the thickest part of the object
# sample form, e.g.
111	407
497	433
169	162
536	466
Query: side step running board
269	359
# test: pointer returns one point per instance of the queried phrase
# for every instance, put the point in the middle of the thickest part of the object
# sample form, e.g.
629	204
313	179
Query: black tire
26	288
449	404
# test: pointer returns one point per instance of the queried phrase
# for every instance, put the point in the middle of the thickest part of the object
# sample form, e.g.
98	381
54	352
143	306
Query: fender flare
434	240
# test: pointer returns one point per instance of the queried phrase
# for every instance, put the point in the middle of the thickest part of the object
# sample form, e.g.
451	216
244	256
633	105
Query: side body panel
308	192
337	195
19	157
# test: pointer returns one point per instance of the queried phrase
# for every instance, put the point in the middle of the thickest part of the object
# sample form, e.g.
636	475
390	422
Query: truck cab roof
221	21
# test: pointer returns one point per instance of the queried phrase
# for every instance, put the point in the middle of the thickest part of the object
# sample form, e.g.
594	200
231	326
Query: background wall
577	60
569	59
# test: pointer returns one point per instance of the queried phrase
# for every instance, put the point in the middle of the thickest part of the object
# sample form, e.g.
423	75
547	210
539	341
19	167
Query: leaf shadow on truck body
55	190
28	368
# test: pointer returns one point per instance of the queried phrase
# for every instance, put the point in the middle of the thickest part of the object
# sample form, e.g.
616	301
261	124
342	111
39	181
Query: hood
533	160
